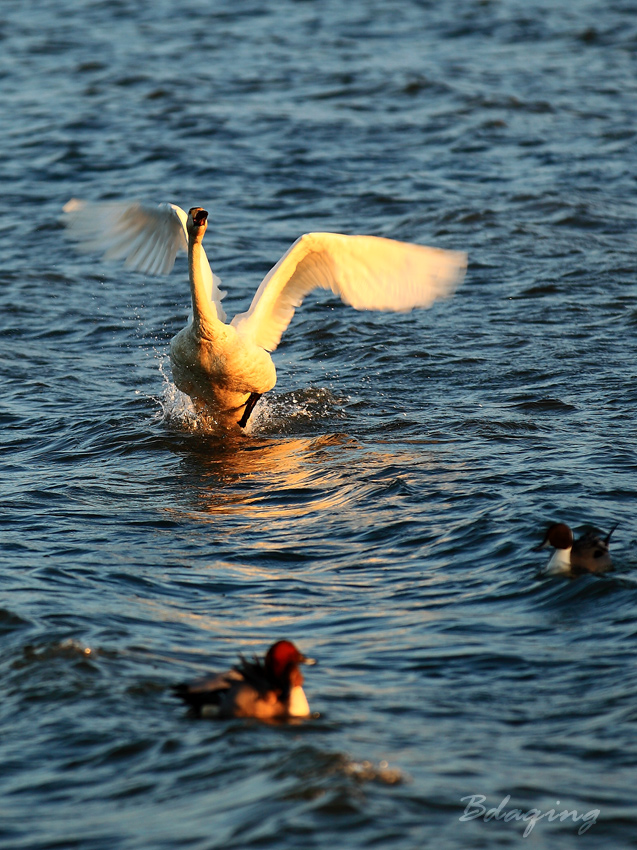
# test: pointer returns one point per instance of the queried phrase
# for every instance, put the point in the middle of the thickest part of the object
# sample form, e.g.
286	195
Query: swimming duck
225	368
588	554
268	689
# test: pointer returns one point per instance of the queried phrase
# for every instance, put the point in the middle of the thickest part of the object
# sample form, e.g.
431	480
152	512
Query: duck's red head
282	661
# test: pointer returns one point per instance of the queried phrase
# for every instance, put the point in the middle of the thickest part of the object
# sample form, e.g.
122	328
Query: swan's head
197	223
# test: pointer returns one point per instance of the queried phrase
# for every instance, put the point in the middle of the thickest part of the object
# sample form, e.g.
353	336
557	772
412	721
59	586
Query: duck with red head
588	554
267	689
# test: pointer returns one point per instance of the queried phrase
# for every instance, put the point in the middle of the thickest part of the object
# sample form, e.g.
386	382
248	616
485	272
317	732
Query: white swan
223	367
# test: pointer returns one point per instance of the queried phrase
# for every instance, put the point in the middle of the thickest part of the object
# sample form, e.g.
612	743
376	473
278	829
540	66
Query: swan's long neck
205	317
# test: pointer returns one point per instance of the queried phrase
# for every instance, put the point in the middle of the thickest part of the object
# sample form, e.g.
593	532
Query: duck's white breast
560	562
299	706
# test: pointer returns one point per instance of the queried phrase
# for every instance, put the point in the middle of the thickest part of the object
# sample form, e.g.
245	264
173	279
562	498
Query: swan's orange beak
200	217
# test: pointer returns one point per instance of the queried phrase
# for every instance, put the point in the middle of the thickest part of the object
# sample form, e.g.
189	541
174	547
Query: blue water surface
382	509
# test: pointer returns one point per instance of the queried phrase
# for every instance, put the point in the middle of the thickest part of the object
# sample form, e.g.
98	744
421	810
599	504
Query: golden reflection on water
288	479
273	478
254	485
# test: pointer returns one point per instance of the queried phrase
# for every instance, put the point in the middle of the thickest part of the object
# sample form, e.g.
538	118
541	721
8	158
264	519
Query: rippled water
382	509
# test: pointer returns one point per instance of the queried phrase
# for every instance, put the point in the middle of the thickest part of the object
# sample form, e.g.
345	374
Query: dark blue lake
382	509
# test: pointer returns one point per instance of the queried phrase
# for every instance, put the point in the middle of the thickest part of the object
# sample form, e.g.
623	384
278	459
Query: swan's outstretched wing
146	237
367	272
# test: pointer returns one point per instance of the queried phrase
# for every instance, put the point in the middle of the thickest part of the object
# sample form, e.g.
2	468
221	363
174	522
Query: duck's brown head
558	535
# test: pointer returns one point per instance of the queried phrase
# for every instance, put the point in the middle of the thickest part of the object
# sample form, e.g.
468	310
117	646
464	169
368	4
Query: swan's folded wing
146	237
367	272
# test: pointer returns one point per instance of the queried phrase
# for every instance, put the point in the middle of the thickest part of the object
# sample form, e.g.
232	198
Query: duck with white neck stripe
588	554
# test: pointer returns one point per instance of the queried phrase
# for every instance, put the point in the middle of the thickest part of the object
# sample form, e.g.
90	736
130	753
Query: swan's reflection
269	477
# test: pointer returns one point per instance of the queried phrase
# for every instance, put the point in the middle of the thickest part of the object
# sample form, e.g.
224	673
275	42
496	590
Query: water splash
285	413
294	411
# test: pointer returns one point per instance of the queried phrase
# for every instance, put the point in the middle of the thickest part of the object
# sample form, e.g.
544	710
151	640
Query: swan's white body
221	365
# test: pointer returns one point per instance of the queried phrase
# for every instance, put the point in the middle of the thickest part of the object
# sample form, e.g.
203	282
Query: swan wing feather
366	272
146	237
